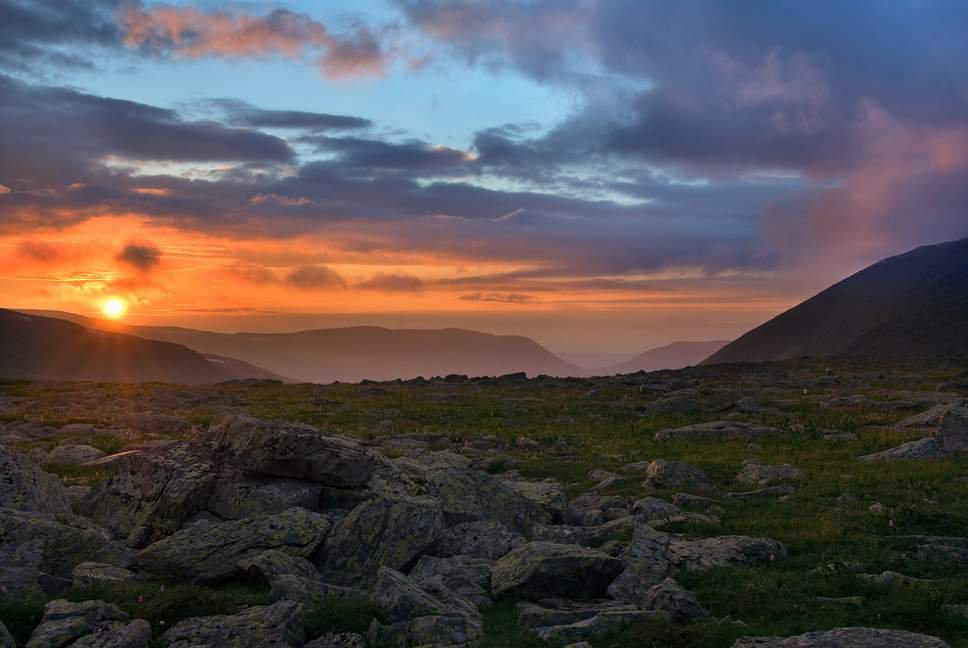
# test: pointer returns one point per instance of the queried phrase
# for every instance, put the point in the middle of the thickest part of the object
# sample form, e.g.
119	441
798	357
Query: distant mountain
672	356
909	306
45	348
355	353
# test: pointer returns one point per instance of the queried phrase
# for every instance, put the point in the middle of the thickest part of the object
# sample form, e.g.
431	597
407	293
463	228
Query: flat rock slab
717	431
280	625
542	569
846	638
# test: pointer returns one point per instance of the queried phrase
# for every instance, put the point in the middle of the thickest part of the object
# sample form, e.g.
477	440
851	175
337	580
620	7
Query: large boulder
25	487
676	601
484	539
846	638
701	554
679	475
72	454
717	431
291	450
471	495
235	497
646	564
153	493
544	569
755	474
385	532
280	625
952	436
466	576
926	448
206	552
590	509
88	623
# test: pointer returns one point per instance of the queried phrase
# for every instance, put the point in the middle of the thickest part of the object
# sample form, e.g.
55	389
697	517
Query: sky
605	176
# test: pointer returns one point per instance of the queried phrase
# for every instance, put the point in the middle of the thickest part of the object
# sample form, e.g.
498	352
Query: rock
717	431
270	626
590	509
943	550
470	495
930	418
338	640
601	624
679	603
6	640
587	536
153	493
485	539
648	509
542	569
952	436
547	494
466	576
686	500
73	454
673	405
855	602
958	610
524	443
310	591
136	634
889	578
678	474
291	450
64	622
87	574
25	487
755	474
761	493
877	508
385	532
157	424
235	498
646	563
604	479
846	638
210	552
701	554
556	612
926	448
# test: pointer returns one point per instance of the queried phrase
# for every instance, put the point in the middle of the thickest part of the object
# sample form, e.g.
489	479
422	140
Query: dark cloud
315	278
503	298
141	257
392	282
39	251
242	114
376	154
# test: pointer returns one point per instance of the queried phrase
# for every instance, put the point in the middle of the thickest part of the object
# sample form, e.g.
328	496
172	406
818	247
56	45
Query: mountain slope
912	305
672	356
44	348
354	353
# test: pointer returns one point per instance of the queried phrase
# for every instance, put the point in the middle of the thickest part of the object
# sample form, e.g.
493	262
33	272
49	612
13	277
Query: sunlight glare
114	307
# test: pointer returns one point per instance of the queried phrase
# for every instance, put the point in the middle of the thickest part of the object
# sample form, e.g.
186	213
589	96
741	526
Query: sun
114	307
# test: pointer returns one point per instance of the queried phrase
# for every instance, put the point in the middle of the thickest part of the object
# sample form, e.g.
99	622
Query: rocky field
808	503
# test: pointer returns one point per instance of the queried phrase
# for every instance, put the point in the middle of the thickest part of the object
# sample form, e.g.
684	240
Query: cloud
392	283
4	189
141	257
243	114
503	298
187	32
376	154
39	251
315	278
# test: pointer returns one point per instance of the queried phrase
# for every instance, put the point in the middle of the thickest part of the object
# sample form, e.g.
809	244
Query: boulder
926	448
267	565
470	495
556	612
755	474
235	497
6	640
549	494
590	509
543	569
701	554
65	622
208	552
678	474
952	436
310	591
135	634
680	604
385	532
466	576
601	624
74	454
337	640
929	418
291	450
485	539
648	509
153	493
762	493
646	563
846	638
951	551
270	626
25	487
587	536
717	431
88	574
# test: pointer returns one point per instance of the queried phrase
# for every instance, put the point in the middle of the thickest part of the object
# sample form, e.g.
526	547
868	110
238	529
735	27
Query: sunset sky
603	176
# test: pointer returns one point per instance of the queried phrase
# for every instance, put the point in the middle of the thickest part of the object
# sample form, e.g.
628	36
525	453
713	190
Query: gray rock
646	563
135	634
310	591
679	603
846	638
385	532
543	569
926	448
944	550
485	539
6	639
604	478
338	640
701	554
291	450
952	436
210	552
601	624
25	487
549	494
889	578
87	574
64	622
762	493
958	610
153	493
271	626
648	509
270	564
466	576
556	612
235	498
74	454
678	474
929	418
469	495
587	536
589	509
687	500
755	474
717	431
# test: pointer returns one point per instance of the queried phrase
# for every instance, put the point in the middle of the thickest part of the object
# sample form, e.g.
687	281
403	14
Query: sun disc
114	307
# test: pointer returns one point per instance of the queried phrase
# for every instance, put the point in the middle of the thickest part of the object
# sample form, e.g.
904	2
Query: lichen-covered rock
310	591
587	536
678	474
646	564
601	624
25	487
291	450
337	640
944	550
210	551
271	626
648	509
384	532
717	431
87	574
235	497
73	454
484	539
701	554
466	576
926	448
134	634
952	436
153	493
755	474
270	564
846	638
671	598
65	622
543	569
470	495
589	509
549	494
